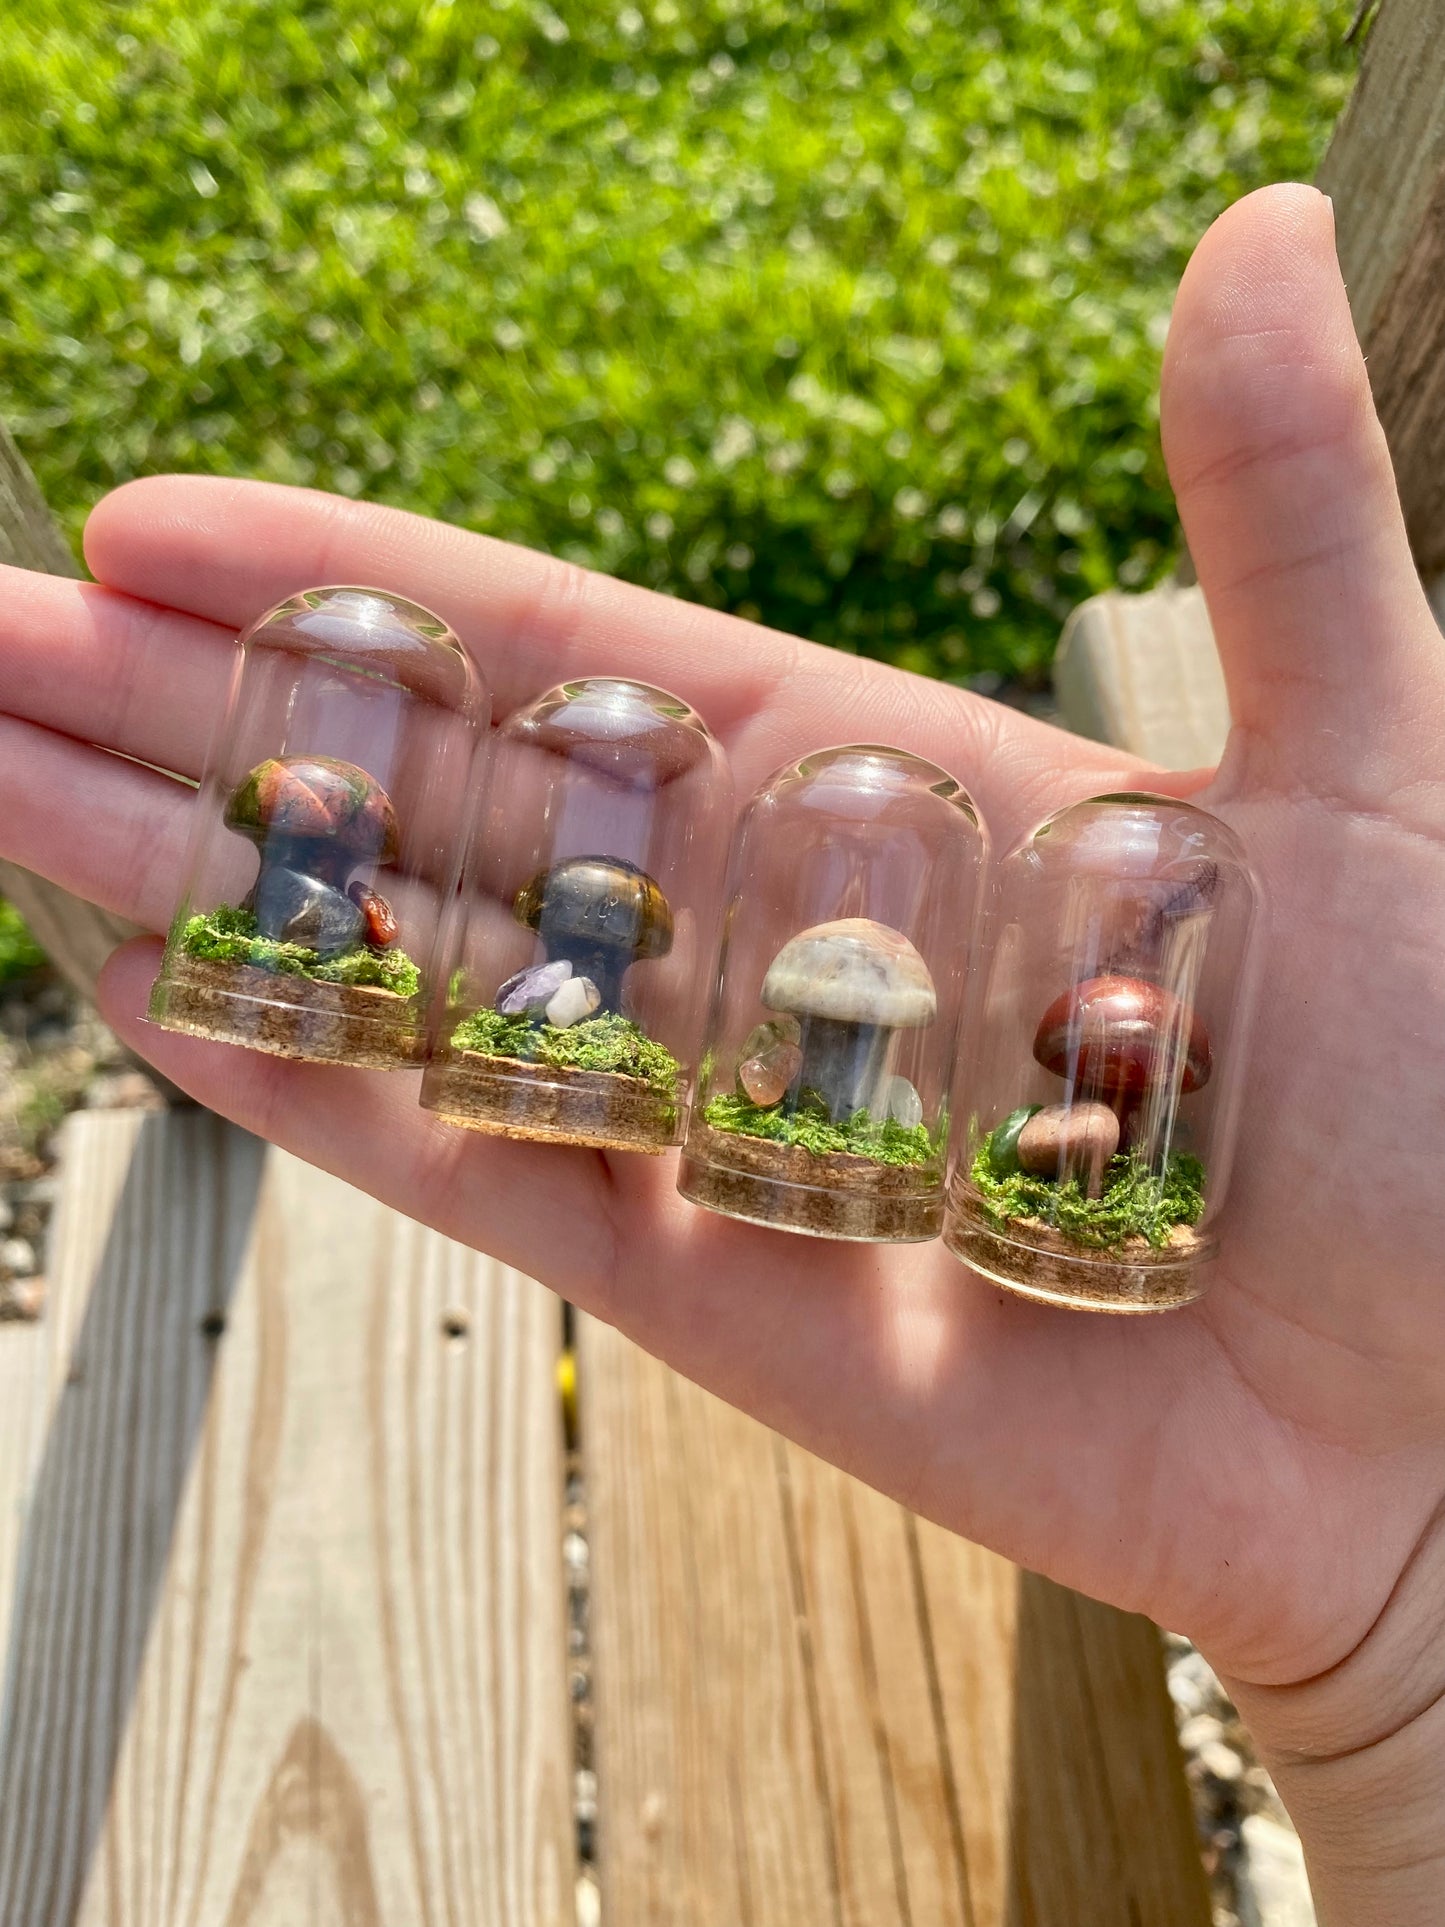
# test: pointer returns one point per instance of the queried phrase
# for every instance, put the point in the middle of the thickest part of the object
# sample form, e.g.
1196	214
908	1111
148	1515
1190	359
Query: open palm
1263	1469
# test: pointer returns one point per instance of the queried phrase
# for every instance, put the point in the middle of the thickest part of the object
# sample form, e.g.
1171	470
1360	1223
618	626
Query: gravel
55	1057
1251	1852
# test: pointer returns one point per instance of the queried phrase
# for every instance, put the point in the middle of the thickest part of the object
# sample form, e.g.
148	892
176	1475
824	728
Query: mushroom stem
309	856
843	1063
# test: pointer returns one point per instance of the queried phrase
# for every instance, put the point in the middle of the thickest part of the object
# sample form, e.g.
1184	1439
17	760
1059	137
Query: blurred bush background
846	315
19	953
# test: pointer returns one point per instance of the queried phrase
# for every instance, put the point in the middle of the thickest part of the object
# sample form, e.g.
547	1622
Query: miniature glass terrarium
325	843
1103	1080
586	922
849	919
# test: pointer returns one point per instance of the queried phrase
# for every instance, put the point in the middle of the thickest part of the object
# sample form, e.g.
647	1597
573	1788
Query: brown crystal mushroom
1118	1037
314	820
599	914
850	984
1070	1140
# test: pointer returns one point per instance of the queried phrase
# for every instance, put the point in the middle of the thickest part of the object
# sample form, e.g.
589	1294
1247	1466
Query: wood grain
814	1710
288	1645
30	536
1385	170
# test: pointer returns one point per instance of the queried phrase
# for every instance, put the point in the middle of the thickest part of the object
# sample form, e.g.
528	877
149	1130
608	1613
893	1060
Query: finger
1289	503
102	828
224	550
107	668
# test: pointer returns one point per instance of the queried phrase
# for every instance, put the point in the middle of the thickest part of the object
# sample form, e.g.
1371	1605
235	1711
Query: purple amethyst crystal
532	987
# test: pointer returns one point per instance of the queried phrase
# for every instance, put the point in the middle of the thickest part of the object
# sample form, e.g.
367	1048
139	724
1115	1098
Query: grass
1134	1202
861	1136
228	935
606	1043
846	313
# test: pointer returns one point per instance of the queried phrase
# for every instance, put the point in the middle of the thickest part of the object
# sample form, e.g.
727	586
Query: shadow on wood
815	1710
1101	1820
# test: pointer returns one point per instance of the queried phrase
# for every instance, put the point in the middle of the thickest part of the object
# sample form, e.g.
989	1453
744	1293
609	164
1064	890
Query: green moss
811	1129
19	952
229	935
606	1043
1134	1202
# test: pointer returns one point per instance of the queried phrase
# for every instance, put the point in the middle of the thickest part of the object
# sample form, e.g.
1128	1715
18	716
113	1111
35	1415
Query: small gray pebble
294	908
17	1257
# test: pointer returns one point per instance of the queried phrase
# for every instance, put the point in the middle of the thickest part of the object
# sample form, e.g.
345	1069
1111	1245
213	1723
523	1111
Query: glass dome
849	920
586	922
325	843
1103	1080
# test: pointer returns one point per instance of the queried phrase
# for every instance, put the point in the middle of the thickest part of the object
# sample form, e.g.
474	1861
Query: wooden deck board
288	1641
814	1710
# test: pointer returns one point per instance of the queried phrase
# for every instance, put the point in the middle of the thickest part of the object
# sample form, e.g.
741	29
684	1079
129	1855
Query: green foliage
811	1128
229	935
19	952
605	1043
1134	1202
844	312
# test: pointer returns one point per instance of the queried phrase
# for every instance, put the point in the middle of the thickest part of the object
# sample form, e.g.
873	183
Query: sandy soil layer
1034	1259
546	1103
833	1196
289	1016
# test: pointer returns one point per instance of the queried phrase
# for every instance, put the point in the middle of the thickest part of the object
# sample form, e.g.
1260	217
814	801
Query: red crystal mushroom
341	816
314	820
1118	1037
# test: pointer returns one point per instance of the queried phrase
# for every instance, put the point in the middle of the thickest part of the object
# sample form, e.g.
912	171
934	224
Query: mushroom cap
316	799
598	900
855	971
1122	1036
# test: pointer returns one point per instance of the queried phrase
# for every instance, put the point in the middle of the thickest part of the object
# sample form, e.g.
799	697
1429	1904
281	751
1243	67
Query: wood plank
814	1710
25	1379
288	1642
1142	672
1385	170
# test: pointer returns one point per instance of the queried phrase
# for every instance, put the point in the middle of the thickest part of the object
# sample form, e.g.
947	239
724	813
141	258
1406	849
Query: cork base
836	1195
287	1016
551	1104
1034	1260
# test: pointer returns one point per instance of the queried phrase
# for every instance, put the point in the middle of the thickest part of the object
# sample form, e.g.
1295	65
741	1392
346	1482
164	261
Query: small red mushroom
1121	1036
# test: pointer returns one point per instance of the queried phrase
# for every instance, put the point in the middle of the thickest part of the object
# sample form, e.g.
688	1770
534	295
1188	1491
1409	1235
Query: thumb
1335	666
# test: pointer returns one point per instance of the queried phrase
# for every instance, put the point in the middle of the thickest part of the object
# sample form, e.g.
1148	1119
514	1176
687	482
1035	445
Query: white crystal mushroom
850	984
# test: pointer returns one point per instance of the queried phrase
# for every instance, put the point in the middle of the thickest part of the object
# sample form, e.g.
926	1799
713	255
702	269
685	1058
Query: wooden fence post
1386	173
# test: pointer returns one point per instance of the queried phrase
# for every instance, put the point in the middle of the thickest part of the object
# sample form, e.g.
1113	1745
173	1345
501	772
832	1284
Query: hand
1266	1469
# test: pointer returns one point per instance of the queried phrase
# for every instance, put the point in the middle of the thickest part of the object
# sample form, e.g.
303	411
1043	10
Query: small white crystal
904	1104
576	999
